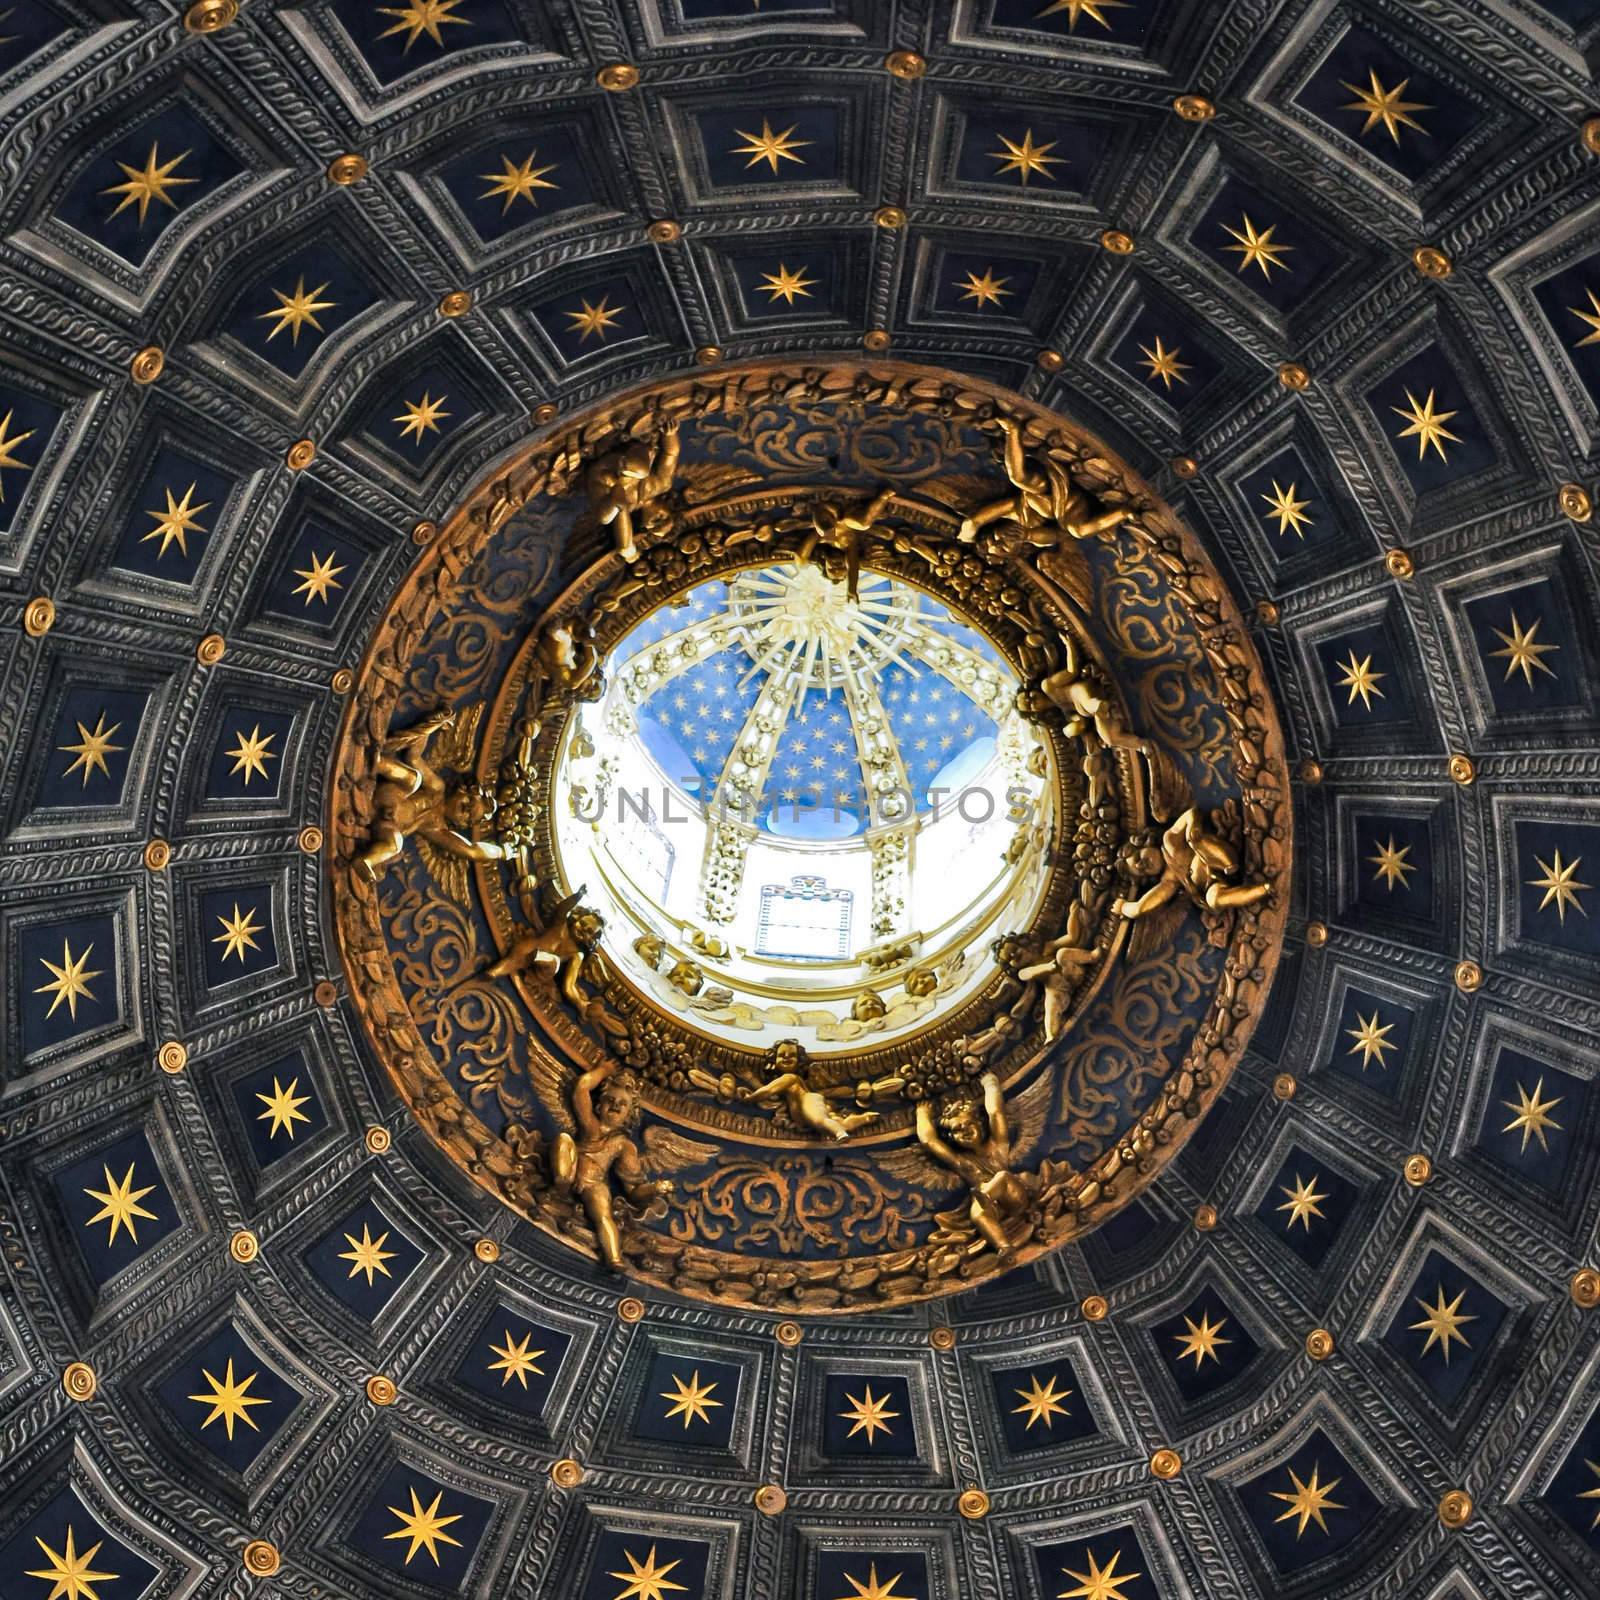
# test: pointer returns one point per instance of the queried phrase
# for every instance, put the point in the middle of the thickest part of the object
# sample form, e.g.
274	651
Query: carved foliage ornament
944	1130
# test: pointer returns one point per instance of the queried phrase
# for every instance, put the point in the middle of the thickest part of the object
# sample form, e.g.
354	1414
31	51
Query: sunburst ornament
1202	1339
319	578
419	17
90	752
1025	158
1523	651
69	982
296	311
1164	363
516	1359
786	284
119	1205
421	416
771	147
1290	512
149	183
690	1400
1385	106
985	290
868	1413
1360	679
424	1527
1392	866
1530	1115
367	1254
1308	1501
1304	1202
1561	885
1443	1322
1371	1040
1257	248
71	1575
595	321
517	180
1041	1402
229	1401
1094	10
283	1108
798	622
1098	1583
8	458
238	933
177	522
644	1580
1426	425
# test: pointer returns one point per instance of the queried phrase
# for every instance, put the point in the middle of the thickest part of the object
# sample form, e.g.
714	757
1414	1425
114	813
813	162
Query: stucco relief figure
605	1107
411	801
1194	860
569	664
559	949
809	1107
975	1143
626	486
1046	503
1070	690
1060	966
837	536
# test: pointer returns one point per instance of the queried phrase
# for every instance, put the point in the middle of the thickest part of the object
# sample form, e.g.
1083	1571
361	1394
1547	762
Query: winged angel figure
970	1138
412	801
595	1156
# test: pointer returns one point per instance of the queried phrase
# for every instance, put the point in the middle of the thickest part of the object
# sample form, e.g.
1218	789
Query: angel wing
666	1151
1155	930
550	1081
1169	790
453	745
911	1165
1029	1114
704	480
1067	568
957	491
450	872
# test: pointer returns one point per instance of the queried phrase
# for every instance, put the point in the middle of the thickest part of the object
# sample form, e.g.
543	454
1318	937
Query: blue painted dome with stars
837	714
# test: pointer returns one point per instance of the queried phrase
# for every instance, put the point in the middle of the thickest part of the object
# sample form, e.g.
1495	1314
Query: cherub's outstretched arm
994	1106
776	1088
666	463
1156	895
928	1137
458	844
583	1101
630	1176
1015	464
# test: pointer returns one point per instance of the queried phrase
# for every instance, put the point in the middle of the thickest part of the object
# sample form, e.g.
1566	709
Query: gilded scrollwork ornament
952	1109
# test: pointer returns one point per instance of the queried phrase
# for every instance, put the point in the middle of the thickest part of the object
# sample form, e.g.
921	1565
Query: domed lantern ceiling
654	945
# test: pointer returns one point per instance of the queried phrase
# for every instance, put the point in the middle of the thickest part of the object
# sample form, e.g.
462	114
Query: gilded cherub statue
980	1156
836	538
411	801
605	1107
569	660
1195	860
1046	498
570	935
1070	691
1060	966
626	486
809	1107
